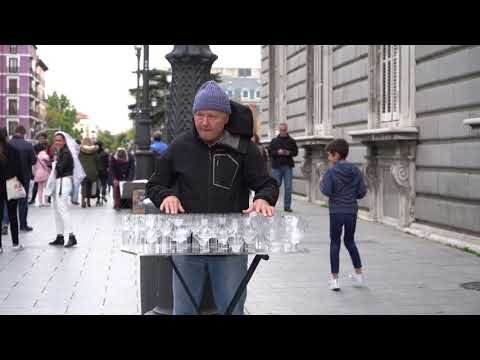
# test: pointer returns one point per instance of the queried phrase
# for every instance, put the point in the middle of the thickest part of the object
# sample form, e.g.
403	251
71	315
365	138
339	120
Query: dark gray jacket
211	179
343	184
27	158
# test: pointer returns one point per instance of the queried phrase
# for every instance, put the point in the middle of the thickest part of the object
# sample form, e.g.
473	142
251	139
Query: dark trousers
23	208
12	216
87	188
348	222
34	192
103	183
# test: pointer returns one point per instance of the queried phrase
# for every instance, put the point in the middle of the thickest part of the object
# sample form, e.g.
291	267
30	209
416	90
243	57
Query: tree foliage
62	115
159	90
114	141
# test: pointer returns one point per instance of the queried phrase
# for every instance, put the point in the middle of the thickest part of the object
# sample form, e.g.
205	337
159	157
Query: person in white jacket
66	172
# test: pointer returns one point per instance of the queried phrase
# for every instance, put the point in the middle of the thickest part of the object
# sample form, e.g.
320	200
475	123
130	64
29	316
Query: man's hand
171	205
260	206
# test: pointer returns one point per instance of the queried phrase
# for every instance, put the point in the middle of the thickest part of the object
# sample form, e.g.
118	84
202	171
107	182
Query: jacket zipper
209	176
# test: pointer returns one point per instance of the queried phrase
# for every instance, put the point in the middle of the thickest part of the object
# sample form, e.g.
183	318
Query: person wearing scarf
66	172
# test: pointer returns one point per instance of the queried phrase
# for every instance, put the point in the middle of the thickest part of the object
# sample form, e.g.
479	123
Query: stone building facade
410	114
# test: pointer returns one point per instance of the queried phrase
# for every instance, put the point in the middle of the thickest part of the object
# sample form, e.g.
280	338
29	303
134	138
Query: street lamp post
138	53
191	66
143	154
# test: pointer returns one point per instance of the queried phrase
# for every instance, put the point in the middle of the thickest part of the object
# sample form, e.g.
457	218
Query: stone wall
447	80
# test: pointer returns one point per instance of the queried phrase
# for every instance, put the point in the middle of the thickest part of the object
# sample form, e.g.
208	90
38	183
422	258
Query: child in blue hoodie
343	184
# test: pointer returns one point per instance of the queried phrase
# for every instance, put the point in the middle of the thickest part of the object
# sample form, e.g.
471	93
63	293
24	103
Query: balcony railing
34	113
13	69
13	90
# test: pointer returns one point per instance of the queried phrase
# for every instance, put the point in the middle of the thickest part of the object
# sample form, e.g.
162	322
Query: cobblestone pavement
405	274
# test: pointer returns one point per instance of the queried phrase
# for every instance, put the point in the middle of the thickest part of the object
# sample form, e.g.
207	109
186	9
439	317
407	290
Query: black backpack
240	121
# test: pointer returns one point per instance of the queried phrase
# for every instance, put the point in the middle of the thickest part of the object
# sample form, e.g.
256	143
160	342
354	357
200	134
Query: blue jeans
284	173
23	212
348	222
226	273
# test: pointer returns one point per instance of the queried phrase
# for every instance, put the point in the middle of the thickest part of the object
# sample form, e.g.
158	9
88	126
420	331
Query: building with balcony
22	84
410	114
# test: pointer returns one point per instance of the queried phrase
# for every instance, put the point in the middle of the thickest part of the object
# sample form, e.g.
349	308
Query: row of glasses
212	233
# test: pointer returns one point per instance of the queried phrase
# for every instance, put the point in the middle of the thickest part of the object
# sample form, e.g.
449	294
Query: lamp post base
144	164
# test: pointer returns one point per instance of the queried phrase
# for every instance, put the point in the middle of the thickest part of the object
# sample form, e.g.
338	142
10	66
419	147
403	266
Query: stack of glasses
211	234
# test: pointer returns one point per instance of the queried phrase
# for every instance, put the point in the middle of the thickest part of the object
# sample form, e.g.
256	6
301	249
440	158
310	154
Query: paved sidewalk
405	274
92	278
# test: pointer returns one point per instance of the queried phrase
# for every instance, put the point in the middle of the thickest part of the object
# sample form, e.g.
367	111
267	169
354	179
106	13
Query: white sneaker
357	279
334	284
18	247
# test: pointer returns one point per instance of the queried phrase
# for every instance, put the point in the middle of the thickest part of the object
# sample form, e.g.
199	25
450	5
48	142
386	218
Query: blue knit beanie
210	96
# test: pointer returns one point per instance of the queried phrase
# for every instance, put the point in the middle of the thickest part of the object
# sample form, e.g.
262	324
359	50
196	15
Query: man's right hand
171	205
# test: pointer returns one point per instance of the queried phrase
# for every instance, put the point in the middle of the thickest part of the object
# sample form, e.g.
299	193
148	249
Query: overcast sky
96	78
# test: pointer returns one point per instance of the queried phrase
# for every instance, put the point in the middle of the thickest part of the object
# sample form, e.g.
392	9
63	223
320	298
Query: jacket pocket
225	169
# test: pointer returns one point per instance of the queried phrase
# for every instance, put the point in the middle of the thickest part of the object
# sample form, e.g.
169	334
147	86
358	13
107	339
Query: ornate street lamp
191	66
143	154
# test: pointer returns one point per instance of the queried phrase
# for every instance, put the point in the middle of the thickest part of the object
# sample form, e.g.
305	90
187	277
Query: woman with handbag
66	172
10	172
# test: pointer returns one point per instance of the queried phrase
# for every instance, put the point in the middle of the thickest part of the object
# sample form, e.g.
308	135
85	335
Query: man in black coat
283	149
103	166
27	160
211	170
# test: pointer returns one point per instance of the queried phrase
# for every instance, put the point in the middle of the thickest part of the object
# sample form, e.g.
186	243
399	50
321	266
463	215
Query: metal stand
238	293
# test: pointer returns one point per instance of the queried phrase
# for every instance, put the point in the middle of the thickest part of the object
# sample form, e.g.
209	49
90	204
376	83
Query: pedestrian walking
103	166
41	145
282	150
343	184
158	146
66	172
9	169
89	159
27	160
211	170
120	171
41	172
76	187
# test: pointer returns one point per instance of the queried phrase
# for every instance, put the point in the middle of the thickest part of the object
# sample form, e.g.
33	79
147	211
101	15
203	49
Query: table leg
192	299
244	283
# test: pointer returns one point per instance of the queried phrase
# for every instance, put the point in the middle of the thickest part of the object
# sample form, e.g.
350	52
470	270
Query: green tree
114	141
107	138
159	89
62	115
158	92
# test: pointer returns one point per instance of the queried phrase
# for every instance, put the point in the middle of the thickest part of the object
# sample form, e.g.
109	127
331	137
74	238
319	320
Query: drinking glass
165	229
204	234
